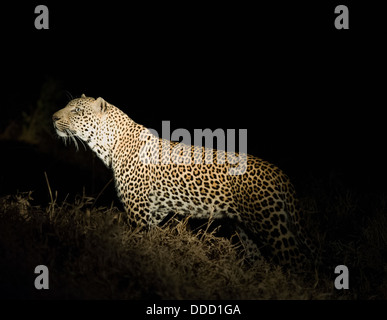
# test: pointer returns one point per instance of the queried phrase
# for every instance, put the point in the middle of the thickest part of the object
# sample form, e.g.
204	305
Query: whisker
69	95
82	143
72	136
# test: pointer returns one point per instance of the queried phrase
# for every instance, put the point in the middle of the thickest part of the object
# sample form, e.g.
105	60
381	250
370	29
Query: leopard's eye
76	110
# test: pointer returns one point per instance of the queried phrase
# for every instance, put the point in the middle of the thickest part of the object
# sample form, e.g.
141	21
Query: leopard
155	177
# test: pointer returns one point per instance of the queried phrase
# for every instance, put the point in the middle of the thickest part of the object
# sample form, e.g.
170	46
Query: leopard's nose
55	117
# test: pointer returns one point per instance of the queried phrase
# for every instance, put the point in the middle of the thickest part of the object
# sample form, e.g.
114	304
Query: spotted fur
260	200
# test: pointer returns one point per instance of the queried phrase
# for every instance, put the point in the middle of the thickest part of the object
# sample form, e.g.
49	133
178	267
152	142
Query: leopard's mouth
63	130
62	133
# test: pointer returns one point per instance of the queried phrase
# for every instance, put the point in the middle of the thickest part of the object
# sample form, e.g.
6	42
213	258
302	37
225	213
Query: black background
311	97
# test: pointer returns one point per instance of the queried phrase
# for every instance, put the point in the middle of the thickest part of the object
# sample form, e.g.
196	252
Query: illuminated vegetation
93	254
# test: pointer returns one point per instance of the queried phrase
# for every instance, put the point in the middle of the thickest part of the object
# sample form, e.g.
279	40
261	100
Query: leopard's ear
100	105
83	95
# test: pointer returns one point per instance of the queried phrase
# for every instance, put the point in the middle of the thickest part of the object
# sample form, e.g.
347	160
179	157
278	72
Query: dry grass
92	253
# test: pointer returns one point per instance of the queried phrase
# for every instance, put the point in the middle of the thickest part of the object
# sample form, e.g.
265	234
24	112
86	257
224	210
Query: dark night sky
310	96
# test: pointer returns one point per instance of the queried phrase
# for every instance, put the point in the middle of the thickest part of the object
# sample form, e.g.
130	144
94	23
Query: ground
92	253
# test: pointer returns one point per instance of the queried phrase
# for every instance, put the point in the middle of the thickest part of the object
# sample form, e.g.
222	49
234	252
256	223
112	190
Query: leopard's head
85	118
